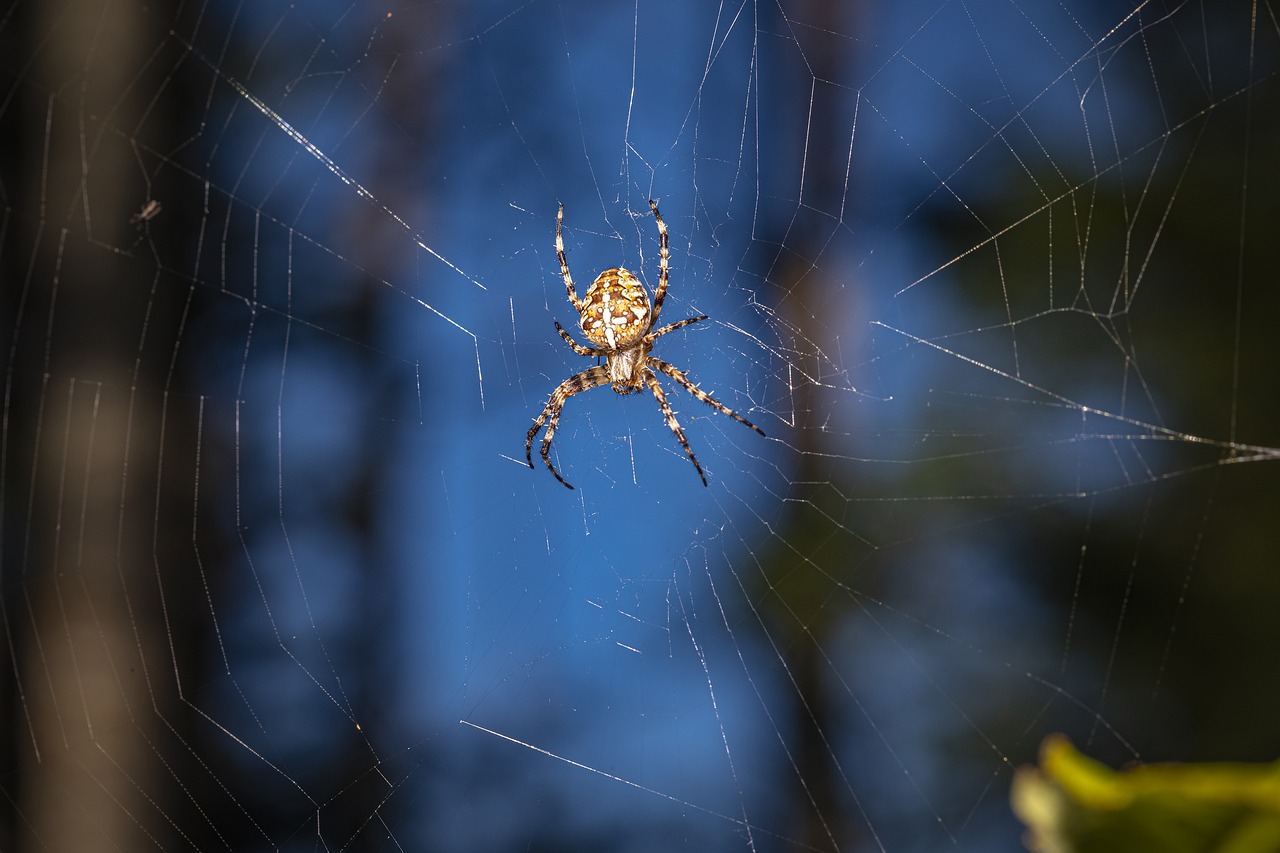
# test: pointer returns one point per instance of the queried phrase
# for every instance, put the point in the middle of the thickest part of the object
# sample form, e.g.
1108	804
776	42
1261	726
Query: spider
617	319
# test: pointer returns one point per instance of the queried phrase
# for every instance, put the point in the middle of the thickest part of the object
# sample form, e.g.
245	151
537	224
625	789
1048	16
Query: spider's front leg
669	416
678	375
584	381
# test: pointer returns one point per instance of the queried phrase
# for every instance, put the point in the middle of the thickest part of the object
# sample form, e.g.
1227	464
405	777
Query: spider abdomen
615	311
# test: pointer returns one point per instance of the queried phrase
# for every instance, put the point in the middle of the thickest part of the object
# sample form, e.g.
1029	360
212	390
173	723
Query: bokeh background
278	289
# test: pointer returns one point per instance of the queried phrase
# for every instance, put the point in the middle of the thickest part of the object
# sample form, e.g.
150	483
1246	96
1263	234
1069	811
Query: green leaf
1073	804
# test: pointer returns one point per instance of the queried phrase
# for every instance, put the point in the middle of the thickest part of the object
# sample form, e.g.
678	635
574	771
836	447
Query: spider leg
564	264
664	262
684	383
651	380
671	327
584	381
579	348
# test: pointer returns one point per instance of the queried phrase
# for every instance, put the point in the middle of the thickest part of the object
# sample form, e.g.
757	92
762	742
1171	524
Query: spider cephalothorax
618	319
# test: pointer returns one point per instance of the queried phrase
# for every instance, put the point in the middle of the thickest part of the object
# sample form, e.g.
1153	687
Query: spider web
279	285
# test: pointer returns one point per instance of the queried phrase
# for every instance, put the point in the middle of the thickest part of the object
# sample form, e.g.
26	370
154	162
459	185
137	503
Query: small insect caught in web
149	211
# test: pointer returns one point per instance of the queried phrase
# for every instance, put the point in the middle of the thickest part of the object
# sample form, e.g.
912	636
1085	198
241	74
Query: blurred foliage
1073	804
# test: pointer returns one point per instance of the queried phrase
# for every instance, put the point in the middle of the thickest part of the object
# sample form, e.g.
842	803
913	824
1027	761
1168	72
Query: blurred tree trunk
802	607
81	491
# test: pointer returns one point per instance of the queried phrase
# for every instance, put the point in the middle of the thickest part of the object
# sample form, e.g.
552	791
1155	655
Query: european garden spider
616	317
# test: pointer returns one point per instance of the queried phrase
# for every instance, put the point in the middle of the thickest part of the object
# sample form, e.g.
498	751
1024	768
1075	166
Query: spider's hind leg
564	266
